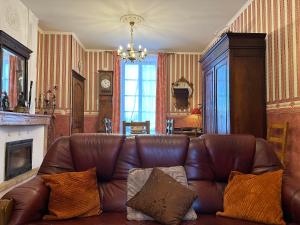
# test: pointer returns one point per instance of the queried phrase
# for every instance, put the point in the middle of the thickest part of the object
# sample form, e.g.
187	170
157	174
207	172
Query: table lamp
197	112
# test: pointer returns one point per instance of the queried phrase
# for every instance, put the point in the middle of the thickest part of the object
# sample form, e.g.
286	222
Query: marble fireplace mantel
20	126
23	119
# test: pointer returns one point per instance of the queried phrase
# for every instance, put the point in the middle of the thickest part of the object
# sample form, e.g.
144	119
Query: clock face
105	83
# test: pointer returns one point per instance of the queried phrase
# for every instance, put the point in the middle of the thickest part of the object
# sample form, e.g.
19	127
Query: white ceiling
170	25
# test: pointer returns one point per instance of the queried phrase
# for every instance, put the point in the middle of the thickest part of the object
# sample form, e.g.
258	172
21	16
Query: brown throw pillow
73	194
254	197
137	178
163	198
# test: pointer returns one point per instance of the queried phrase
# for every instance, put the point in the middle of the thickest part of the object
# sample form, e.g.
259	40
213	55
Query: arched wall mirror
13	73
182	91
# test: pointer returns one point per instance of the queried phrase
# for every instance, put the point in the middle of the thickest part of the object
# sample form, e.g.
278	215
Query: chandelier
130	53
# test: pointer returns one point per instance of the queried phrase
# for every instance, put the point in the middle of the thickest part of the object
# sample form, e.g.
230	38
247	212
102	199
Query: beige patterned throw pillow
137	177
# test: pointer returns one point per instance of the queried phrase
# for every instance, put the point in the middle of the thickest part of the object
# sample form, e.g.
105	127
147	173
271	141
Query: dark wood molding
20	50
78	75
233	41
23	119
12	44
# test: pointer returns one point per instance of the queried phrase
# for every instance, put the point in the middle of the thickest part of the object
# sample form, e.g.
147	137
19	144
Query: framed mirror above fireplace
14	58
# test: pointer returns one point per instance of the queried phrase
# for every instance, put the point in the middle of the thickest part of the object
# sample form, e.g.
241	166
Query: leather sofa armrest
291	198
30	201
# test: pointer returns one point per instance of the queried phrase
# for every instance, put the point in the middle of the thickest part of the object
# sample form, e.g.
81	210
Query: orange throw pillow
254	197
73	194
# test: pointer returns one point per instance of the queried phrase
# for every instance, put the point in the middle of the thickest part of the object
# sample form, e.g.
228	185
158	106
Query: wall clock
105	82
105	97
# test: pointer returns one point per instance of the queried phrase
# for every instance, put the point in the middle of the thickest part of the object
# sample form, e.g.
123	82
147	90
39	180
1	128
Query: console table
189	131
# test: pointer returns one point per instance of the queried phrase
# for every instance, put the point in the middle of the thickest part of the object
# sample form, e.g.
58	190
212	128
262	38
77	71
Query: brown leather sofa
208	161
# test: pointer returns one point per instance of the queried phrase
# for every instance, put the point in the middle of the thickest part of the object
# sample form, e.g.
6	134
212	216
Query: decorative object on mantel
46	105
30	94
22	104
182	91
4	104
131	53
47	102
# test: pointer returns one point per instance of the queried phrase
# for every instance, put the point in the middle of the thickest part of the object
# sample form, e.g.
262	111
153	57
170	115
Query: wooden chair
137	127
107	125
277	135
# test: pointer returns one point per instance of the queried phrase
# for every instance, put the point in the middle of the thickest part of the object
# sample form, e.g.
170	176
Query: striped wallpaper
184	65
78	56
59	53
54	66
280	20
94	61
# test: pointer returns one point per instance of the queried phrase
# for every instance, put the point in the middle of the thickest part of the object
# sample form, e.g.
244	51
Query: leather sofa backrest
162	151
92	150
208	161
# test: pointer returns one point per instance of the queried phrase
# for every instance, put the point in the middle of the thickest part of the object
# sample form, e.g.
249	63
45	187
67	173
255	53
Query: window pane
138	97
131	116
131	103
149	72
131	71
149	88
148	104
131	87
151	117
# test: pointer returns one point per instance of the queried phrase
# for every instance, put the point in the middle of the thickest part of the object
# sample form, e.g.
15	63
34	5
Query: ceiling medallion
130	53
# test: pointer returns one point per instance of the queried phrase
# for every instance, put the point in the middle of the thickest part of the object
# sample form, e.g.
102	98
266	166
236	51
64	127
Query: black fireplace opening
18	158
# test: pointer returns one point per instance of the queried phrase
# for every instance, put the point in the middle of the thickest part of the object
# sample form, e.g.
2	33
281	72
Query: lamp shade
196	111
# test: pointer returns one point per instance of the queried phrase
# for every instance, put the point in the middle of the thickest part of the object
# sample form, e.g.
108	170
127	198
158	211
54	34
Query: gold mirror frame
181	101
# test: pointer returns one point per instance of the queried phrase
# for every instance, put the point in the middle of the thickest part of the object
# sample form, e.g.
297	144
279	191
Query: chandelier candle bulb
131	53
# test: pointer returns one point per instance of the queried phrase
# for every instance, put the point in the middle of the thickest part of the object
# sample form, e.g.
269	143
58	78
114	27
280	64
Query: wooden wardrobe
234	87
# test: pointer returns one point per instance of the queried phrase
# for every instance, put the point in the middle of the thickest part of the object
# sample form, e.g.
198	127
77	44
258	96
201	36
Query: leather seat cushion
120	219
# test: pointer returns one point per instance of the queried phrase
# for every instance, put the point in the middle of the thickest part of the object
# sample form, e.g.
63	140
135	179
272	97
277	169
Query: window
138	91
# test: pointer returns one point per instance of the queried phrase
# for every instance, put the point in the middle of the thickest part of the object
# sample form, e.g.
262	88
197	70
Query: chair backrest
137	127
277	135
107	125
169	126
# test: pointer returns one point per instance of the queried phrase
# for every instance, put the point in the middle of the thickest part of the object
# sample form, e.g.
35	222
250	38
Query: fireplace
18	158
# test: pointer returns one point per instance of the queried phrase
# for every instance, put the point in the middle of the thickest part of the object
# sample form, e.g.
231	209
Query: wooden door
222	97
208	101
77	121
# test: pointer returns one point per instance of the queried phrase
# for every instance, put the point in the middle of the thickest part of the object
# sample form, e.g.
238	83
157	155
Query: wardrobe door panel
209	104
222	97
